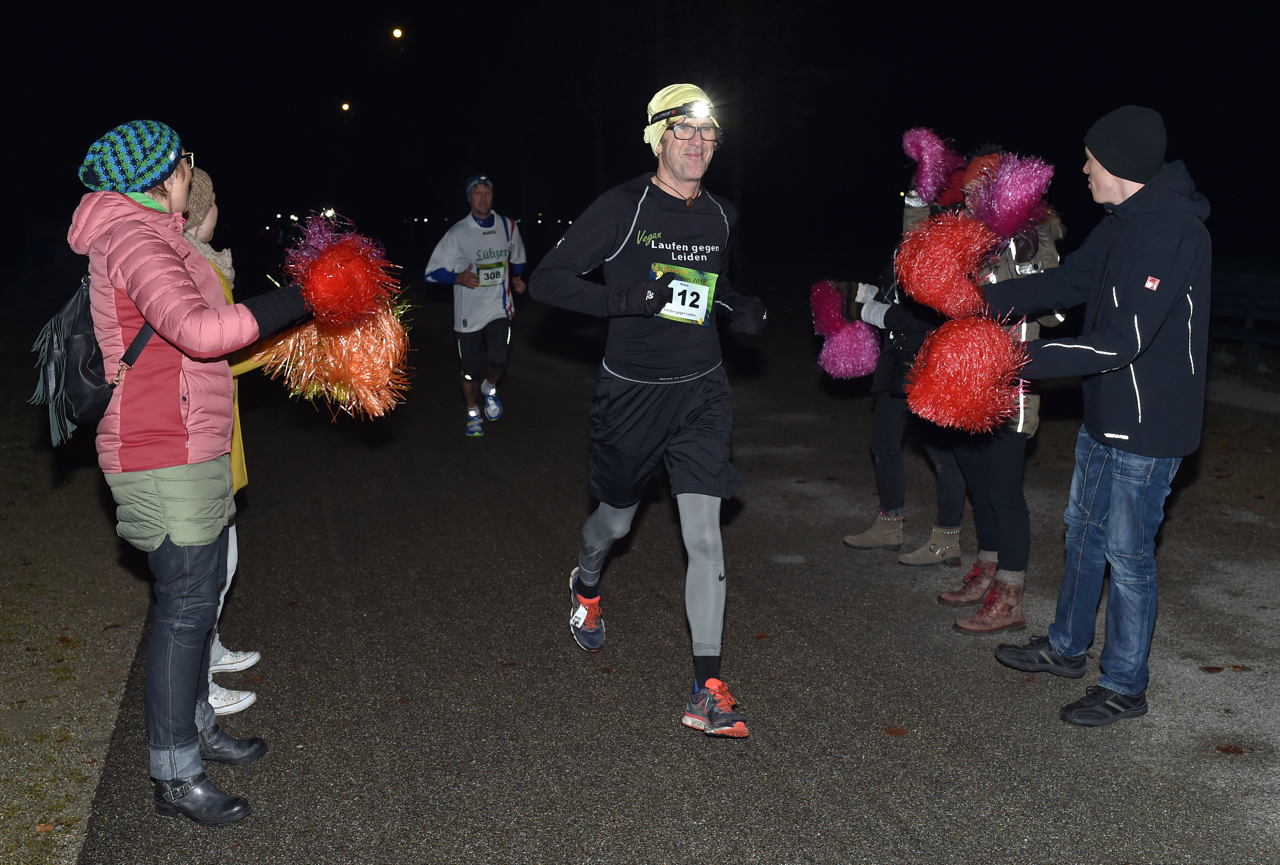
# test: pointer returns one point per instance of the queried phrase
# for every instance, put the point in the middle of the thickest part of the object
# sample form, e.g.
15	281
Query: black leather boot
217	746
200	800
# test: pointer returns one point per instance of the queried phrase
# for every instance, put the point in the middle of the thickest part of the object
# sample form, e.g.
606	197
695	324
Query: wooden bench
1246	309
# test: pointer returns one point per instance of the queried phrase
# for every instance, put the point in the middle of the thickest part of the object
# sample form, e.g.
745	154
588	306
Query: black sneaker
1100	706
1038	656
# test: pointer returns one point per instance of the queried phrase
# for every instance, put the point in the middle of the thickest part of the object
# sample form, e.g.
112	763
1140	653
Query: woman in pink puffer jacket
164	441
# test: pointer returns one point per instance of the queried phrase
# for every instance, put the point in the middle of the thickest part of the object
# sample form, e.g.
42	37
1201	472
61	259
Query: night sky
549	100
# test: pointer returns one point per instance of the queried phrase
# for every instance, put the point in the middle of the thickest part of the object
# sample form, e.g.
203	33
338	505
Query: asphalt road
424	701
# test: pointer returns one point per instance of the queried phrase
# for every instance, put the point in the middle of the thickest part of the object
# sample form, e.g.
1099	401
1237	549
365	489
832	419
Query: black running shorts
686	425
496	335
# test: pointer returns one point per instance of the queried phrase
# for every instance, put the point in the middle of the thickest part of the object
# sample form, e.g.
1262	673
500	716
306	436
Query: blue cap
479	178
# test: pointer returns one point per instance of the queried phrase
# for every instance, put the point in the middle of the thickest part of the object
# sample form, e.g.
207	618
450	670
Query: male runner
662	394
483	256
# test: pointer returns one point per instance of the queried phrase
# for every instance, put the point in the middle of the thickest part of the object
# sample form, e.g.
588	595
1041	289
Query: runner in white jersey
482	255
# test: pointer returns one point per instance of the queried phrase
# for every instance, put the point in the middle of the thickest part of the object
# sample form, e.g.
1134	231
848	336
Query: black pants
992	464
887	429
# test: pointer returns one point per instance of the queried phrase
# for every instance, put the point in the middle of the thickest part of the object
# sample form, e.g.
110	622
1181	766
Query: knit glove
866	292
276	310
747	315
644	299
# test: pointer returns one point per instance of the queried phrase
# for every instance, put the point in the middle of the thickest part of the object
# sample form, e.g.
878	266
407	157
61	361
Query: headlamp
697	109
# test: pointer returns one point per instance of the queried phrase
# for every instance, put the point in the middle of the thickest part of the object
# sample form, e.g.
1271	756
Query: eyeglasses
684	132
189	158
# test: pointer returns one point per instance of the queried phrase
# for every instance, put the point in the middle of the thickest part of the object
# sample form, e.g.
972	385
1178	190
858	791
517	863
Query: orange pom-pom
965	375
937	260
359	370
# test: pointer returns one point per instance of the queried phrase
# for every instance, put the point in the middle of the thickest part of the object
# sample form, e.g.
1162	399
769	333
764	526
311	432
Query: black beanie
1129	142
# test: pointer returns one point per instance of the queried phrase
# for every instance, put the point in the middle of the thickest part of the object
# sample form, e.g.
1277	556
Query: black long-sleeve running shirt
628	229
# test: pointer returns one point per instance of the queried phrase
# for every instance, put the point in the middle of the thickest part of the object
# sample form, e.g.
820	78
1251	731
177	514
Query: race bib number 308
692	292
491	274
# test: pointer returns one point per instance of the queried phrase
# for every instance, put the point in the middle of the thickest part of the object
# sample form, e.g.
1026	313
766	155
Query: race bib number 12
692	292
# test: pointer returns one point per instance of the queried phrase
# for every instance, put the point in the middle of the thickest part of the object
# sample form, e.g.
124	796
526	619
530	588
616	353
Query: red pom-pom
965	375
937	260
826	303
344	276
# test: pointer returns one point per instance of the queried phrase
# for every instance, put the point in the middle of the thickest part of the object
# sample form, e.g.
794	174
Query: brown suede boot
1001	611
976	584
943	546
886	533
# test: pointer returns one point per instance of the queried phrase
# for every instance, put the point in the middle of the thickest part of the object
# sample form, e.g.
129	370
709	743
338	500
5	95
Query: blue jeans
1116	507
177	684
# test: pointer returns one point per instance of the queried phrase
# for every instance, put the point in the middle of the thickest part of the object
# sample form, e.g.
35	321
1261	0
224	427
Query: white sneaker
234	662
227	702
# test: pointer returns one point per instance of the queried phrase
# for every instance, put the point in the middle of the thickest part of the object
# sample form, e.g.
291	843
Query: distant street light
397	33
346	107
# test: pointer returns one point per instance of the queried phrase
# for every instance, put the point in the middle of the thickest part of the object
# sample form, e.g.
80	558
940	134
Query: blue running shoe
710	709
585	622
475	426
492	406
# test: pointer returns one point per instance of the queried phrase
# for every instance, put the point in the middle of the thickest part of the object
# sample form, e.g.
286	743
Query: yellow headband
664	100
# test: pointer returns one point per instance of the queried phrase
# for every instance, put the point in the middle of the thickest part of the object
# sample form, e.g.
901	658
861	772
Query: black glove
645	299
748	315
276	310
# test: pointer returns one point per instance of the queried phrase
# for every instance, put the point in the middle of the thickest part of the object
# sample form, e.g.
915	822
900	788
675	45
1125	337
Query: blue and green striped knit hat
133	157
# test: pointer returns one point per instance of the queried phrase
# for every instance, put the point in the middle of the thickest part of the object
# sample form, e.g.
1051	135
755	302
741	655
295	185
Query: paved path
425	703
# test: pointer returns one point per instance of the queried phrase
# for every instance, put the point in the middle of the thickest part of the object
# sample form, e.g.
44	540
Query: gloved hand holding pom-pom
354	353
852	347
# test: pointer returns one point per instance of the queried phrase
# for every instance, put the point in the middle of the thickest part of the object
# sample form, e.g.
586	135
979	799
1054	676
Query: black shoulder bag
72	380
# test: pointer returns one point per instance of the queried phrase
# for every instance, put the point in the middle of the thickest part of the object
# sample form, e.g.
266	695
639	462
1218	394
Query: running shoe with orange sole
585	621
710	709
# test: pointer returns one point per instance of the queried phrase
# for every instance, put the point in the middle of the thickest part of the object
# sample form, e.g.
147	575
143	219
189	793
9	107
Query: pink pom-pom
937	259
936	161
1012	199
965	375
826	303
850	352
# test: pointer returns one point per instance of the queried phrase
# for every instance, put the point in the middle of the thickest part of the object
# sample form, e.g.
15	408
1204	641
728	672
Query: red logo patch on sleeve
1152	283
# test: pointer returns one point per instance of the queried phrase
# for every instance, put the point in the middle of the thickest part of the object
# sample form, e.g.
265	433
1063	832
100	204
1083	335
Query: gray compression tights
704	580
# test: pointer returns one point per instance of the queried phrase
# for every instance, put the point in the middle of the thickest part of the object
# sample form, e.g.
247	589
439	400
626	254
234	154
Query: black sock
588	592
705	667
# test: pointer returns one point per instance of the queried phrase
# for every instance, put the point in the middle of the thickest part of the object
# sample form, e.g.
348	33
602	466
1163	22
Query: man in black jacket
661	395
1143	275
